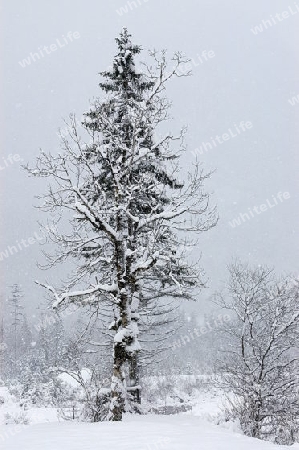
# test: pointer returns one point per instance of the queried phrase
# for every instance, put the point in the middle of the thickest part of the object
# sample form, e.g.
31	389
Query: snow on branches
119	189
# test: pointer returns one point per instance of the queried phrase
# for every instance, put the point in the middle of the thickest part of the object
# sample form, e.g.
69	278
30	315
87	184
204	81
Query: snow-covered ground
192	430
181	432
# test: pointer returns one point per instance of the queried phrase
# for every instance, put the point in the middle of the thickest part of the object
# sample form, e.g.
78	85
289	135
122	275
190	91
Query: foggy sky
250	78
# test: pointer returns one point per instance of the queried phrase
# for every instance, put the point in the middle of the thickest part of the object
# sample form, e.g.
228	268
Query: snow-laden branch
61	298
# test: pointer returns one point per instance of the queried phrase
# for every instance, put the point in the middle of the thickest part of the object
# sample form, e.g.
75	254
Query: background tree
16	319
259	365
128	209
25	336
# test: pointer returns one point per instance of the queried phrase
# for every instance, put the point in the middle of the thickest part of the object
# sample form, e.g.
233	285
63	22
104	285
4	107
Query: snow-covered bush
170	394
259	365
96	407
53	393
16	418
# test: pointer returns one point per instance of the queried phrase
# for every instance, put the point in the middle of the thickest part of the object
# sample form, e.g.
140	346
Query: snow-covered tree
259	364
129	212
25	335
3	350
16	319
51	340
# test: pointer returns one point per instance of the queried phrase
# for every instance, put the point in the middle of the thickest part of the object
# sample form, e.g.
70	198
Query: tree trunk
135	389
118	384
134	368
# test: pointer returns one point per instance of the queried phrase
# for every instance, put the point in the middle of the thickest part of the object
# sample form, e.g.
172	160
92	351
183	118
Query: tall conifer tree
128	210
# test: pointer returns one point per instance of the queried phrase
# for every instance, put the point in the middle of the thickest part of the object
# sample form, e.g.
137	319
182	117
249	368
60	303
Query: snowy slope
182	432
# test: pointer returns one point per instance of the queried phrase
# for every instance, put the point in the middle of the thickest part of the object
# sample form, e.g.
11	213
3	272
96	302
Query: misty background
250	78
